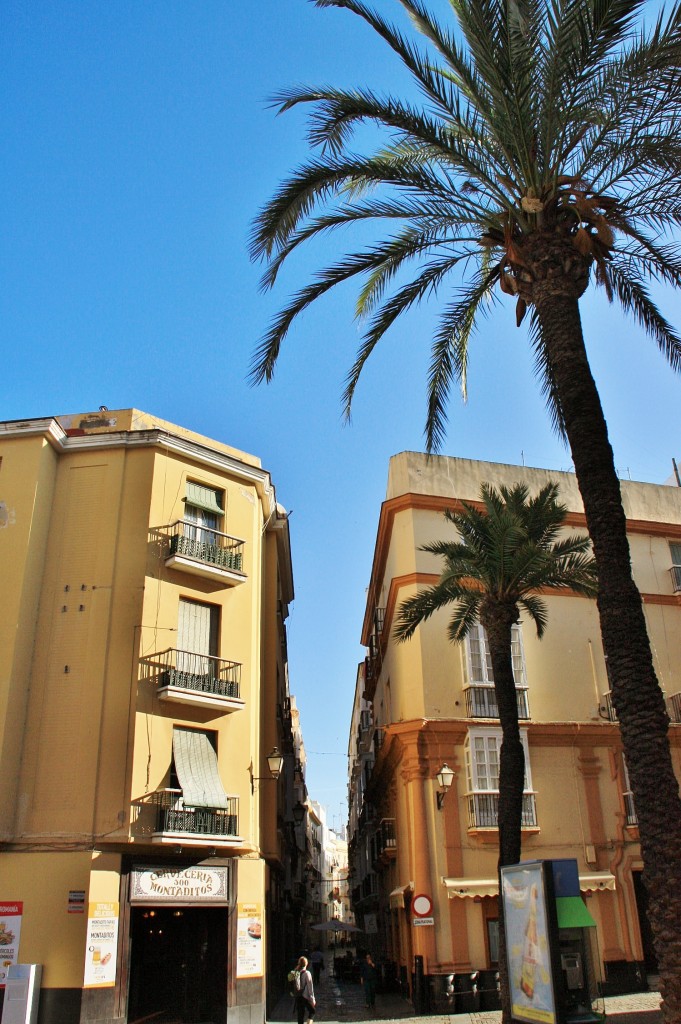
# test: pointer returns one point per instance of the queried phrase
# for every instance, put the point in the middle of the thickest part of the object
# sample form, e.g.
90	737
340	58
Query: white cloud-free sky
138	145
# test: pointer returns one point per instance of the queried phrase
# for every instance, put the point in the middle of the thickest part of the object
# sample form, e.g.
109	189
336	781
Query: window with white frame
479	690
481	752
203	512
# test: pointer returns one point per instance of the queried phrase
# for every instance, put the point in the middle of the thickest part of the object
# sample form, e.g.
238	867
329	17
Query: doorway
641	894
178	965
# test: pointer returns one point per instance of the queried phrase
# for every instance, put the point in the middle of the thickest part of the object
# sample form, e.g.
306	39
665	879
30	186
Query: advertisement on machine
527	943
100	948
10	931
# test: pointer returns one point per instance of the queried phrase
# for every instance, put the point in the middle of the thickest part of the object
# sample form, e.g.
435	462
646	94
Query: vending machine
552	953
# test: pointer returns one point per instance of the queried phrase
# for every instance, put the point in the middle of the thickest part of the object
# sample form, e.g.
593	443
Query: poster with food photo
100	948
249	958
10	930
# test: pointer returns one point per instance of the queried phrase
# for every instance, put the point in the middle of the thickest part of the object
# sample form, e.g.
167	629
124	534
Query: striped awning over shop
196	765
597	881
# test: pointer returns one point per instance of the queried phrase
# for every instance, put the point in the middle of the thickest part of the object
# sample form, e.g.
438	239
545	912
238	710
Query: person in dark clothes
305	1000
317	961
369	979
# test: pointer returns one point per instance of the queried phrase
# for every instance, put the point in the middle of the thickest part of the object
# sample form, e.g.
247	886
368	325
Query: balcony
674	707
630	816
481	702
204	552
606	708
163	817
675	572
483	809
196	679
385	842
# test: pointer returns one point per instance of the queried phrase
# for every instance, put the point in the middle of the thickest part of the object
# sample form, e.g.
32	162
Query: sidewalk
343	1001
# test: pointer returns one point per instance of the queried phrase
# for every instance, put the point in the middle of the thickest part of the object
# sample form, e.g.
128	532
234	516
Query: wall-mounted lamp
445	777
275	763
299	812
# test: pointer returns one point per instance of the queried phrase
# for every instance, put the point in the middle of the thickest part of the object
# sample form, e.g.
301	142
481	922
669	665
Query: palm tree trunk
636	694
497	621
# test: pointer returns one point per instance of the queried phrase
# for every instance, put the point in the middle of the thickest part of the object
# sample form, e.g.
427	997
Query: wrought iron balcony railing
483	810
674	707
172	816
481	702
205	545
200	673
675	572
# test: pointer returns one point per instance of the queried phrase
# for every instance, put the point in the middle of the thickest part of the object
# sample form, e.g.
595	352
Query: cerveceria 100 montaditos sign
197	884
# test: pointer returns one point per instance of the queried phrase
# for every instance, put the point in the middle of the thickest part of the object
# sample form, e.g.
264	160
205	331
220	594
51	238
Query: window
197	637
481	751
493	940
480	696
675	552
203	512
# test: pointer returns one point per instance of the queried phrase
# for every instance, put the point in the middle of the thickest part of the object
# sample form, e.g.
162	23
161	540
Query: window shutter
204	497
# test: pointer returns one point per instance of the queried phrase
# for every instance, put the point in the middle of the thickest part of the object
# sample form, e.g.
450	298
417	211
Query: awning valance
397	895
196	765
597	881
203	497
463	887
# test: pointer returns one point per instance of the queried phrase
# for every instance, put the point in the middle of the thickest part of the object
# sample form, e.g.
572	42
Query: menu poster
249	959
10	930
527	943
100	948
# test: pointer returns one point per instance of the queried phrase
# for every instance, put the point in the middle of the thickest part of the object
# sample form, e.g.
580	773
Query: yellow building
146	578
425	703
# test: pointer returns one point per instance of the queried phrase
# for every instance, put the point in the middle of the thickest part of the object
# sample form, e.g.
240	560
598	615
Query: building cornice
185	448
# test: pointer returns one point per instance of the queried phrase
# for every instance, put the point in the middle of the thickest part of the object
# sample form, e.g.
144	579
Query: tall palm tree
543	157
507	552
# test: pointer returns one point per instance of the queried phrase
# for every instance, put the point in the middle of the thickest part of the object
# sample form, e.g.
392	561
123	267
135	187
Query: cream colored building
426	702
146	579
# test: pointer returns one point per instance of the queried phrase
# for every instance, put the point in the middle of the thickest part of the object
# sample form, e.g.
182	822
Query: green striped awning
572	913
196	765
204	497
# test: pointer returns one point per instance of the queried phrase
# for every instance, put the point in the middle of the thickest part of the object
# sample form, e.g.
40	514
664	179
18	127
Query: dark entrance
178	965
641	894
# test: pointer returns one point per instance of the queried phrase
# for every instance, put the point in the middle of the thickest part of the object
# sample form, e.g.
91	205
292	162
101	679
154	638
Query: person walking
305	1000
369	978
317	961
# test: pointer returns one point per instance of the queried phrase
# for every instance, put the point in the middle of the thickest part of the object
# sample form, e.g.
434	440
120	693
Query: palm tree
543	157
508	551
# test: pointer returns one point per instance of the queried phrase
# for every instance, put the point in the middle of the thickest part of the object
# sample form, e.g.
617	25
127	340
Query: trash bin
22	994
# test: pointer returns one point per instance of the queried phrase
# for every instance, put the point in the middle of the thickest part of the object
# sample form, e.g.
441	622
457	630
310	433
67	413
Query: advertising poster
100	948
10	931
527	943
249	959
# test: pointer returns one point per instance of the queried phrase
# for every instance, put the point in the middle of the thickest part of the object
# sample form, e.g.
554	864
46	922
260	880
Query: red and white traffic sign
422	905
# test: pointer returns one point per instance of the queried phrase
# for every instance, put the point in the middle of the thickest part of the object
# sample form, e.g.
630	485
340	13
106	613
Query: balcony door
197	637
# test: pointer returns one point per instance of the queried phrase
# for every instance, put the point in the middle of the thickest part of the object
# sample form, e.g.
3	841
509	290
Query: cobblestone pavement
342	1001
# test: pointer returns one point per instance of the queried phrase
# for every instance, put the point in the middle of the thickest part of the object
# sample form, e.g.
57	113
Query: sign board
180	886
528	942
422	905
422	920
76	903
10	931
101	945
249	940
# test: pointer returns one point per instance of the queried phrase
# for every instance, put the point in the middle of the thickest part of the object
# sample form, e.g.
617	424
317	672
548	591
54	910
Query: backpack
293	978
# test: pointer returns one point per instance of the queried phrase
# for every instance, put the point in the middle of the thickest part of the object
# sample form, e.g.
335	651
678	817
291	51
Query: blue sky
138	145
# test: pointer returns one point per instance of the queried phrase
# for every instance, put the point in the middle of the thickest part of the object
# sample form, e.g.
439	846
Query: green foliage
540	120
508	551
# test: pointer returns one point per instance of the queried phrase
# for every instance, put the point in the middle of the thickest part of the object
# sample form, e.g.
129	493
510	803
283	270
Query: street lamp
445	777
299	812
275	763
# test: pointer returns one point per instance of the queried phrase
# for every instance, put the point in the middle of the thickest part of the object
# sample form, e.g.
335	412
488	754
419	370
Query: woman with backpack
305	1000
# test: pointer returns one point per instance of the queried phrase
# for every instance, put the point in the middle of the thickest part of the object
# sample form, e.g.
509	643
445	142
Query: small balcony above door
202	551
200	680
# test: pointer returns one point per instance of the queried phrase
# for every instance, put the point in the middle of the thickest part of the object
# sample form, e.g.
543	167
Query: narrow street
344	1001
